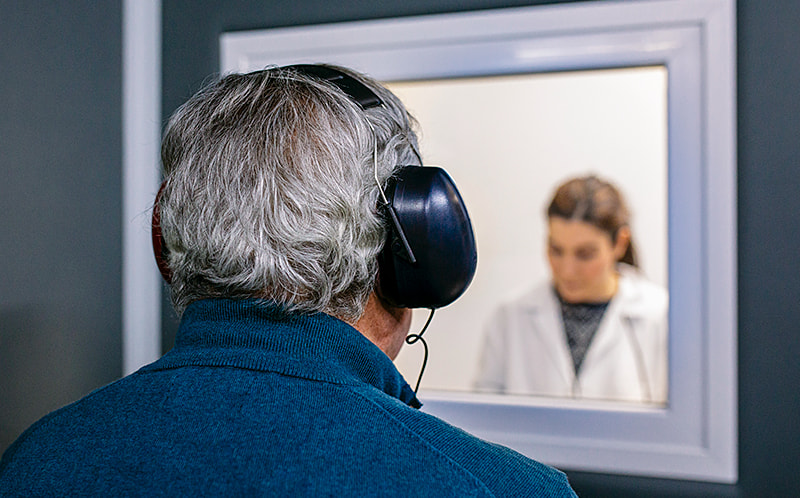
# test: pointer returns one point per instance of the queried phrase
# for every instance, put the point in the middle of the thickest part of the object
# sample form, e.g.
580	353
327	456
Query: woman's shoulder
640	294
528	300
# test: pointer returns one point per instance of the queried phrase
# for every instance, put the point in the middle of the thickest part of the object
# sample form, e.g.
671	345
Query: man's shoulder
26	464
501	470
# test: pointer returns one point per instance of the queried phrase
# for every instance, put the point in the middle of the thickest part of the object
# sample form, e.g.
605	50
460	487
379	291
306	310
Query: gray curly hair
270	190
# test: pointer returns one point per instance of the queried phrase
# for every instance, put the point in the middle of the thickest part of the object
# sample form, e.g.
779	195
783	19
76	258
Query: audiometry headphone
430	256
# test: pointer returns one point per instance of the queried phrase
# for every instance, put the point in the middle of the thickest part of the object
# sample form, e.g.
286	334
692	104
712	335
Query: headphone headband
358	92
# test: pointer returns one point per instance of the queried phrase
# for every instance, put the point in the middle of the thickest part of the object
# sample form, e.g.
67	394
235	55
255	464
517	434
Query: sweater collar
257	334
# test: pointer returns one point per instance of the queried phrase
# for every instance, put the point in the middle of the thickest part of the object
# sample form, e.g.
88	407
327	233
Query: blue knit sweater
253	401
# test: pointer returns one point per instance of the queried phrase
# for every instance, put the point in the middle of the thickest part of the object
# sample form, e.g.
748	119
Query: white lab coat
526	352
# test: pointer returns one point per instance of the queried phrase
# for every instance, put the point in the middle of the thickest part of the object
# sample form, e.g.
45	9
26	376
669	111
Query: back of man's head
270	190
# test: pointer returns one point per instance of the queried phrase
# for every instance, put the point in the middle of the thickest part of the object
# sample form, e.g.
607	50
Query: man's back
253	401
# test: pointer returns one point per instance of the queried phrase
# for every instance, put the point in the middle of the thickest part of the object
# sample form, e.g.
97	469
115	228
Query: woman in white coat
598	329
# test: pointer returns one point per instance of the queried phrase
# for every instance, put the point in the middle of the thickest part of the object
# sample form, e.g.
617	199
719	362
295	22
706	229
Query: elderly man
271	223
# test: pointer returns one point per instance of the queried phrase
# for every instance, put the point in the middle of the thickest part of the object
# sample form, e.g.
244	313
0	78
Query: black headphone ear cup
436	224
159	248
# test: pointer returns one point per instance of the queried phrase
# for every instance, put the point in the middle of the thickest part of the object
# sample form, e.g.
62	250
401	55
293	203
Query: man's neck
384	325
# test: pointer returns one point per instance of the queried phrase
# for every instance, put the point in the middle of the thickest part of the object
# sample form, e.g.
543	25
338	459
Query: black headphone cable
413	338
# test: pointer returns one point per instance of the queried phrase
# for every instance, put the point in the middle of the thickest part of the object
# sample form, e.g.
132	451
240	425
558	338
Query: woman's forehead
575	233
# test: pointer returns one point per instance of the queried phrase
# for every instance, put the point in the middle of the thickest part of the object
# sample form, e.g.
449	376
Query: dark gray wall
60	205
769	280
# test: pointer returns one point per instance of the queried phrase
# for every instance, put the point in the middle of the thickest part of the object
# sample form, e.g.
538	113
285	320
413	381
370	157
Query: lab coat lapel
547	323
620	314
607	336
610	347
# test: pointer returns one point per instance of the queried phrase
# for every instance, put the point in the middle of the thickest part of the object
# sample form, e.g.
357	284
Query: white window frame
141	176
695	437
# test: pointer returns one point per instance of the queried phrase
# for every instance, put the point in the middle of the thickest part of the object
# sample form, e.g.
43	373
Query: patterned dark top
581	321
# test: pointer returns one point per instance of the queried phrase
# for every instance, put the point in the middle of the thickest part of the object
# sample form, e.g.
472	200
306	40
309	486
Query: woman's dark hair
596	202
